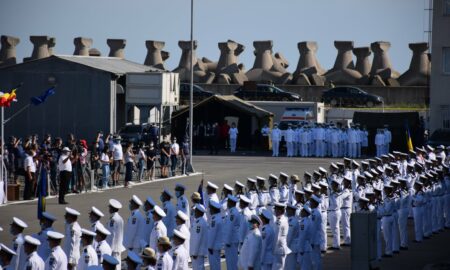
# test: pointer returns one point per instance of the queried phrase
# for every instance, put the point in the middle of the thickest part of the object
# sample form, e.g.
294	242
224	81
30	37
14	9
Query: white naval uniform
183	206
57	260
245	217
185	230
18	261
316	228
180	258
34	262
289	138
281	250
268	236
346	211
403	211
418	203
233	132
274	194
88	258
164	262
132	237
159	230
231	238
115	226
250	255
147	228
43	249
304	243
388	223
215	240
199	242
169	219
292	242
254	199
324	212
72	242
276	138
101	249
284	193
334	217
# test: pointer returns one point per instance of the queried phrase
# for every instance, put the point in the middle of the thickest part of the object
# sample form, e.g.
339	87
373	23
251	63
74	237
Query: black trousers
28	188
64	179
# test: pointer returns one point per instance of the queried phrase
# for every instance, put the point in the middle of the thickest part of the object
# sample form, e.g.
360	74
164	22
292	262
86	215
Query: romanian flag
409	143
42	191
7	98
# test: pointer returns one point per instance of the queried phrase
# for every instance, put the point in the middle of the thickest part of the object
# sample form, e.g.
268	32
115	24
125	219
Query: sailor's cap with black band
316	173
307	174
72	212
266	214
308	190
273	177
245	199
32	241
260	179
322	170
20	223
228	187
237	183
181	215
212	185
347	178
284	175
340	164
355	163
55	235
233	198
48	216
97	212
158	210
7	250
115	204
324	184
251	180
316	199
150	201
134	257
135	199
315	186
86	232
363	199
180	186
110	260
299	191
101	229
255	218
200	208
279	205
179	234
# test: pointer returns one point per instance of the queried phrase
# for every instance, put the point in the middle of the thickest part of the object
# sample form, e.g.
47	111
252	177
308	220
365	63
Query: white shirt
18	261
29	162
34	262
169	220
115	225
102	249
88	258
175	149
72	242
180	258
250	255
148	226
117	151
199	237
67	166
281	229
215	234
165	262
43	249
104	158
159	230
276	134
57	260
233	132
267	244
135	222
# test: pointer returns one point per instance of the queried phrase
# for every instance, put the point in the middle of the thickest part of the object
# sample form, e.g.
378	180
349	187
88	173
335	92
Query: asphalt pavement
221	170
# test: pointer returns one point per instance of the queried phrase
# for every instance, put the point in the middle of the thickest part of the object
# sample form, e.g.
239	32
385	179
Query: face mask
43	226
250	226
161	198
178	194
130	208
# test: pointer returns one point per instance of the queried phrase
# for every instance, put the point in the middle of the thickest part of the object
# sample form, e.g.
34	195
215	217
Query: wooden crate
13	192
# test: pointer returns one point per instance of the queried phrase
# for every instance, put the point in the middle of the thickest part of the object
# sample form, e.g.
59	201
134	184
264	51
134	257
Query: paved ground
225	169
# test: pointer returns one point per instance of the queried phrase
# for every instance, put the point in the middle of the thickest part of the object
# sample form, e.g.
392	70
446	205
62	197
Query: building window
446	7
446	60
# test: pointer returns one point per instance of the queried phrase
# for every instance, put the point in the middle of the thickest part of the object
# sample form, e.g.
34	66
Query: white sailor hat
48	216
347	159
256	218
291	206
115	204
227	187
384	156
324	184
251	180
7	250
212	185
355	163
391	156
402	179
395	181
322	170
214	204
179	234
31	240
307	189
348	178
150	201
299	191
182	215
134	257
367	174
158	210
308	174
19	223
369	192
245	199
315	185
168	193
307	209
387	186
267	214
316	173
259	178
55	235
72	212
279	204
418	183
233	198
273	177
365	163
136	200
97	212
335	180
430	148
363	199
284	175
315	198
66	149
237	183
94	267
200	208
87	232
180	186
389	168
340	164
110	260
100	228
377	189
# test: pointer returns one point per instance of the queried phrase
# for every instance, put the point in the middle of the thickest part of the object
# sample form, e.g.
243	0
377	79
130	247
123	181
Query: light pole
191	92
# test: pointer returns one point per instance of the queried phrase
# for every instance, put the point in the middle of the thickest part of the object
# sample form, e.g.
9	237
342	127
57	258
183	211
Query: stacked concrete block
156	57
201	72
40	48
382	72
228	71
82	46
419	70
309	71
343	71
116	47
8	50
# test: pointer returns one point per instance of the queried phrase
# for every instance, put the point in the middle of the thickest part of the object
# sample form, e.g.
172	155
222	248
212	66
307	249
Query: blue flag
42	191
41	99
200	190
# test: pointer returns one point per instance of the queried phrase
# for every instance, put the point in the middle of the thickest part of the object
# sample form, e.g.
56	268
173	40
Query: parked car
440	137
199	93
350	96
265	92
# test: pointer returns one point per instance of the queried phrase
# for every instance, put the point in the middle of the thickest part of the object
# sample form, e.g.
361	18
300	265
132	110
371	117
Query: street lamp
191	92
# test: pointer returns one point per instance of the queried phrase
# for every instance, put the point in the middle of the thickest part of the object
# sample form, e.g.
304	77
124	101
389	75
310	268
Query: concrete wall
392	95
81	104
440	82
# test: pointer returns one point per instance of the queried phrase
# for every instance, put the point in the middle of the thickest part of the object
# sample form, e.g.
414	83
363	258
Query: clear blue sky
286	22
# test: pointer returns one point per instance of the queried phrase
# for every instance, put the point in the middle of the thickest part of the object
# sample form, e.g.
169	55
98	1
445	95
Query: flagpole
5	183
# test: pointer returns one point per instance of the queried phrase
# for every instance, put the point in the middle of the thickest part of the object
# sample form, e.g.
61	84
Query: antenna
428	22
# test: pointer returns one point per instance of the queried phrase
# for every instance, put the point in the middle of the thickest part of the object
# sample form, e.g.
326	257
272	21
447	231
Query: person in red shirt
224	129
